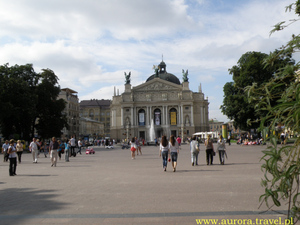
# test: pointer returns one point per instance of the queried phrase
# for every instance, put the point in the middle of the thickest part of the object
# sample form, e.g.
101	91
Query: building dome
163	74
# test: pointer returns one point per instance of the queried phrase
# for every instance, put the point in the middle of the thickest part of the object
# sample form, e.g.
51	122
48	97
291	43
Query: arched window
141	117
173	117
157	117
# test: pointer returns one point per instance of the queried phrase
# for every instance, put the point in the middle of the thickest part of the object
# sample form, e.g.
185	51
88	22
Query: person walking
138	146
53	151
73	145
164	150
133	148
45	148
33	147
67	149
209	150
79	146
12	158
19	148
179	140
4	151
194	150
221	149
60	148
174	148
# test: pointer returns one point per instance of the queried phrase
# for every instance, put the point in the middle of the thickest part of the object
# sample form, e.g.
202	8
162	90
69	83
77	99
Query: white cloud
90	44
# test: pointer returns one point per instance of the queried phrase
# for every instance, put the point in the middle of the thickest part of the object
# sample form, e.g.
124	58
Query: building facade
98	110
71	111
160	106
91	128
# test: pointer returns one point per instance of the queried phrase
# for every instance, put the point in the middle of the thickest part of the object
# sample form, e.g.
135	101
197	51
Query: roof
163	74
69	90
103	103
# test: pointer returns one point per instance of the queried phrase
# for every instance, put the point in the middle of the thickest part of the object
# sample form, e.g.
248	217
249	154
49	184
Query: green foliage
279	100
29	99
249	70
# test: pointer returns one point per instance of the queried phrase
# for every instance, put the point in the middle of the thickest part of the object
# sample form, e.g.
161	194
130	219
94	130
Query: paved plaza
111	188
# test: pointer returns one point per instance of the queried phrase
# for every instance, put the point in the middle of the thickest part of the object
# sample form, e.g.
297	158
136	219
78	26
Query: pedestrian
39	144
19	148
138	146
33	147
60	148
194	150
45	147
209	150
73	145
197	153
229	139
67	149
4	151
174	148
12	158
178	140
282	137
133	148
79	146
53	151
164	150
221	149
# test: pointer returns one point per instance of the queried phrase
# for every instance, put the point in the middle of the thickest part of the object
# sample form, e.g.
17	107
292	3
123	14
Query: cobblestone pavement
111	188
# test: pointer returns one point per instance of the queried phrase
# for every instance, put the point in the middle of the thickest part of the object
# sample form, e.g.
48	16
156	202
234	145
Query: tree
279	98
250	69
49	109
29	99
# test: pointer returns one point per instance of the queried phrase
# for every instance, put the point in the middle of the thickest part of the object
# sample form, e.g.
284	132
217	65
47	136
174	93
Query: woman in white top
174	147
221	148
164	149
19	148
194	150
12	158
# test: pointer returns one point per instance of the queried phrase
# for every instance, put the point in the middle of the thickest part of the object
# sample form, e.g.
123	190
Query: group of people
13	151
135	147
169	151
209	149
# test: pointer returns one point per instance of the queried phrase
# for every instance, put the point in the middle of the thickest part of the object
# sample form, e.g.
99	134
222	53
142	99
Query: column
182	122
147	116
201	113
150	114
131	116
167	114
192	116
122	116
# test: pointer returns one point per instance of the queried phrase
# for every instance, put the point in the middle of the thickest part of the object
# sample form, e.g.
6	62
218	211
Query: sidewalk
111	188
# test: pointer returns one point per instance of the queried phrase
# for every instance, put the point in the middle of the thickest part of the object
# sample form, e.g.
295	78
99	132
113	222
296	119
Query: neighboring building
91	128
97	110
160	106
71	111
215	126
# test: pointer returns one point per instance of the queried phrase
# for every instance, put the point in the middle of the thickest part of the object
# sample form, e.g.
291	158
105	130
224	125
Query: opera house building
160	106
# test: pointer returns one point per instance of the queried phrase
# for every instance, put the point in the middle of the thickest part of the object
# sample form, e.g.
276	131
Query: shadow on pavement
19	204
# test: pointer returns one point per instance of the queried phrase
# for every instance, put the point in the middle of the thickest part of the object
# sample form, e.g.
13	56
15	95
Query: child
133	148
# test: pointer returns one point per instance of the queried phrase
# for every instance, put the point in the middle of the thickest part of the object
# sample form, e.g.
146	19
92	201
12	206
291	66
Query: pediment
157	85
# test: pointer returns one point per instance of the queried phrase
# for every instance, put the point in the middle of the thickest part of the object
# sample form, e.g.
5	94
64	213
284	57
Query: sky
89	44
